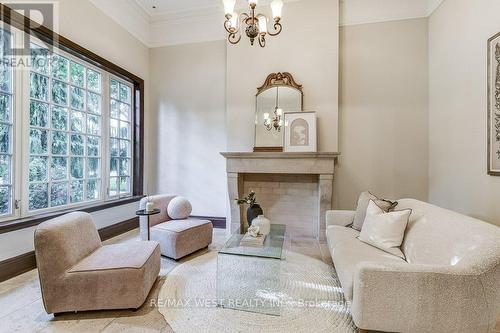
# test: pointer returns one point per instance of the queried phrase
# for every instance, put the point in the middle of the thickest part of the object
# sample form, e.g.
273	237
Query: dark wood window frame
53	39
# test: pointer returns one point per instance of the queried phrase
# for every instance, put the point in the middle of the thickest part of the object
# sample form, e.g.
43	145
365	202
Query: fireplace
294	189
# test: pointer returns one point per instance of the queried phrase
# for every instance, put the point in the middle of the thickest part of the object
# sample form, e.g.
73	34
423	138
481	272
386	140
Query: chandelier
255	25
276	122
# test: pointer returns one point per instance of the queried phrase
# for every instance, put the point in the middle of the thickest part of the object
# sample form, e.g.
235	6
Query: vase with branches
254	209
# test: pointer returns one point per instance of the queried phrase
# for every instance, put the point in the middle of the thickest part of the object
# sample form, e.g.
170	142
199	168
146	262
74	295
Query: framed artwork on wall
300	132
494	105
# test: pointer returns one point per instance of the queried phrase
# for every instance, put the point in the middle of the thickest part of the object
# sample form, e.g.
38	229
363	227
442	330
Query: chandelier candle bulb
277	8
234	21
229	7
262	24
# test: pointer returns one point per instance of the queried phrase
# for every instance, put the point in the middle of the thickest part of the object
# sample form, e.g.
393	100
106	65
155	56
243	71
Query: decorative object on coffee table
263	223
253	238
254	209
144	212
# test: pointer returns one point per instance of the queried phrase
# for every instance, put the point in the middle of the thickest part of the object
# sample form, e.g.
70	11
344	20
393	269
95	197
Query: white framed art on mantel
300	131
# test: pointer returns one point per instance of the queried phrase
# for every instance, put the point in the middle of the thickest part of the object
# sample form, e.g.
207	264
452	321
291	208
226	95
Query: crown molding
129	15
187	15
433	6
354	12
205	24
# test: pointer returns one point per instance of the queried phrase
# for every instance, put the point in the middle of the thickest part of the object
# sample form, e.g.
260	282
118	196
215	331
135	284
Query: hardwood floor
21	308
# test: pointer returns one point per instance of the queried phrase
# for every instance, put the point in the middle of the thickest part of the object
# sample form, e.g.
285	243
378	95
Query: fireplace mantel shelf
272	155
280	163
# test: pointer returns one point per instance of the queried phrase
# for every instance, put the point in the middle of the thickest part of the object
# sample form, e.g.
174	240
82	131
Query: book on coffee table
251	241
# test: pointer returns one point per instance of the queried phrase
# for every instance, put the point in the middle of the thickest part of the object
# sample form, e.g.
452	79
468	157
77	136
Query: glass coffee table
248	278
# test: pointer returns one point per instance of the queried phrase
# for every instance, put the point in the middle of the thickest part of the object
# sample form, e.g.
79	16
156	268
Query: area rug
313	300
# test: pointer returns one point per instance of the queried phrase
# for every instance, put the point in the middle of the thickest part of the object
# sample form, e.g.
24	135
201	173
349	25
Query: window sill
37	219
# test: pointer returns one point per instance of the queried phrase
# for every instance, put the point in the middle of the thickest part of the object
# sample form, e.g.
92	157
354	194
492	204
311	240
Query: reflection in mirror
279	94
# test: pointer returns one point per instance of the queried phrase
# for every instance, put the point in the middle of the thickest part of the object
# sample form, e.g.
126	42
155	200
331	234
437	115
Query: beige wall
308	48
188	131
383	111
86	25
458	32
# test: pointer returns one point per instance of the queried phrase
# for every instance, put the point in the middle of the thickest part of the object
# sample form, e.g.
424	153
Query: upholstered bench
178	234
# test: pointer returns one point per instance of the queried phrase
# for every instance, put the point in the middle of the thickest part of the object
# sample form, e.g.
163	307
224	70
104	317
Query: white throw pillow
385	230
363	201
179	208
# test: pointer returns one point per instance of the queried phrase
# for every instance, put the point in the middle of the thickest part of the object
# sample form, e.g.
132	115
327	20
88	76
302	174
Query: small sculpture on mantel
254	209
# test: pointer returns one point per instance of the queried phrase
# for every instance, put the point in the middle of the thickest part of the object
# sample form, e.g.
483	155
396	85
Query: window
6	128
68	124
64	131
75	139
120	140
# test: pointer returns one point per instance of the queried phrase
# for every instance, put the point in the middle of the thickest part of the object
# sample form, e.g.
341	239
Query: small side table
143	212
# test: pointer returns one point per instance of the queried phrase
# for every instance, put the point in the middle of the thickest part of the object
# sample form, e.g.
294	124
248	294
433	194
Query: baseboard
25	262
118	228
18	265
218	222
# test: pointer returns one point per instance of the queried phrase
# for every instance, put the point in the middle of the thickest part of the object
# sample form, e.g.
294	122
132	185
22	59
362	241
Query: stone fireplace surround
300	183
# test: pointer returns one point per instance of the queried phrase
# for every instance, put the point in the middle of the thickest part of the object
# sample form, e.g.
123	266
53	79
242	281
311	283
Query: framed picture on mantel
300	131
494	105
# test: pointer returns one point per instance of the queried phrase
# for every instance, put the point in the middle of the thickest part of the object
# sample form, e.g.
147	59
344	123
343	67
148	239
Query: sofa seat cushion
118	256
348	254
337	234
178	238
180	225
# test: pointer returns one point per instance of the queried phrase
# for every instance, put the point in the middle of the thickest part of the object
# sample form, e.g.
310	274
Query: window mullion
17	128
105	148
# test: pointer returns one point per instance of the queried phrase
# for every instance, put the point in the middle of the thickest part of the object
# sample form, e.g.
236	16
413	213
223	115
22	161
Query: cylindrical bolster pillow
179	208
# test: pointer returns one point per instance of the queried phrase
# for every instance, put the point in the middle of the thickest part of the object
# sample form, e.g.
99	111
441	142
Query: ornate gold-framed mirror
280	93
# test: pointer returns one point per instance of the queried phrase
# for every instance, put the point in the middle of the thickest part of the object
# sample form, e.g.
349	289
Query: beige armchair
177	238
78	273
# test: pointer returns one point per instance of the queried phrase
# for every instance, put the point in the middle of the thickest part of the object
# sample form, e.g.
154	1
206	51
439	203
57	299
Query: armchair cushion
118	256
104	287
178	238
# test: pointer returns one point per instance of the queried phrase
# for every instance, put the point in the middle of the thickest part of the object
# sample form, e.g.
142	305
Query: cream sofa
450	281
78	273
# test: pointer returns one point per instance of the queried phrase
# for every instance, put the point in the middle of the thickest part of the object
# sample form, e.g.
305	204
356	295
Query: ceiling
162	7
169	6
188	21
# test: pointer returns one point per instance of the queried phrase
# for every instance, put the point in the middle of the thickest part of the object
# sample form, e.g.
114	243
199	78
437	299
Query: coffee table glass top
272	248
